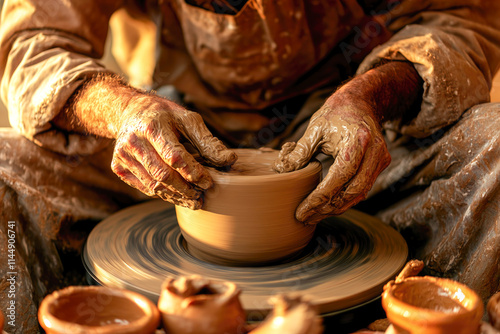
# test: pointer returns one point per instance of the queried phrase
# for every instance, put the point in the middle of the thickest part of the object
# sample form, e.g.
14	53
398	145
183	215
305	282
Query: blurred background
111	64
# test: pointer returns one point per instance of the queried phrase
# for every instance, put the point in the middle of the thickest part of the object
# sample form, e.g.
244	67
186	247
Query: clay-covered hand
148	154
348	128
352	136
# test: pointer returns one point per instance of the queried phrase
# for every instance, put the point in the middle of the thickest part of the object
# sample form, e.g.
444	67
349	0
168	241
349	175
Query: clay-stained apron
254	58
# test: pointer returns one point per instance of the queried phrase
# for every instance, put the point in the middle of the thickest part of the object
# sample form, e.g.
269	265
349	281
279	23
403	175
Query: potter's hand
149	156
353	138
347	127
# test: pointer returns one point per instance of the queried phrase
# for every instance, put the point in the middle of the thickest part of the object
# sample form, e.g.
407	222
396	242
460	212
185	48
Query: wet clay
194	305
248	217
97	309
251	163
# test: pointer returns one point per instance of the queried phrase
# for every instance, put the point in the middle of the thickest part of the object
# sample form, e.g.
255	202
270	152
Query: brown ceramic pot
430	305
248	217
97	310
194	305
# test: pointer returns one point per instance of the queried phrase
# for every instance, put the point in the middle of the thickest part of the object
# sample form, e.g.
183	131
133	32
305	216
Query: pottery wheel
346	264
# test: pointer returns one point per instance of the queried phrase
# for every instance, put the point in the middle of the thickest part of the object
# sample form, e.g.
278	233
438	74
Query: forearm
388	91
100	105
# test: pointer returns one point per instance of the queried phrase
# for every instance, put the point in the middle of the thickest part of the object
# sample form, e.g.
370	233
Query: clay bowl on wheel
248	217
433	306
98	310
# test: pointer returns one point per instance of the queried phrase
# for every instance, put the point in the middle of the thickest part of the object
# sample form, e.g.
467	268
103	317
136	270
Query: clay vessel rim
399	307
149	309
311	168
231	289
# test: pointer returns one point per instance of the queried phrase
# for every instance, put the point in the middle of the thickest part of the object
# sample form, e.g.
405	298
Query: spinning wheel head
347	262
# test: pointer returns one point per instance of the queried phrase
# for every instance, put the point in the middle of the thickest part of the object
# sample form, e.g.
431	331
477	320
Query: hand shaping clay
194	305
248	216
98	310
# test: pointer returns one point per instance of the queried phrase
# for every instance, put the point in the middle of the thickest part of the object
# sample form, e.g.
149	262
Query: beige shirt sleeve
47	49
454	46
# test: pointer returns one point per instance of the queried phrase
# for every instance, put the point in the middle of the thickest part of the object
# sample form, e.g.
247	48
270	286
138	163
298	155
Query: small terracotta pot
1	321
97	310
432	305
248	217
195	305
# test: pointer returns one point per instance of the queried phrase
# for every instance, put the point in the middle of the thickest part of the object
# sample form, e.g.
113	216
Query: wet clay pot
248	217
98	310
194	305
430	305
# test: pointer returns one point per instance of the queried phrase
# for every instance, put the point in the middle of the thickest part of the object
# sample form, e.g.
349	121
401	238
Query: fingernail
302	214
205	183
231	157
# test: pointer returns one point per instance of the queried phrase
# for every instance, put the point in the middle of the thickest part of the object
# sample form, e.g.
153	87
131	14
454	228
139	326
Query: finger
128	177
294	156
178	158
376	159
154	166
171	183
318	204
193	128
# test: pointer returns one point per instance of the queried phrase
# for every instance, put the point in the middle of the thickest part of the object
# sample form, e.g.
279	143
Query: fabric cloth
48	48
53	200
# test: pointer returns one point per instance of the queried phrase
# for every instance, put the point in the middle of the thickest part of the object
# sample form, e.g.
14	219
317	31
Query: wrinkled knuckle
194	117
364	137
151	185
117	168
149	129
160	174
128	137
119	152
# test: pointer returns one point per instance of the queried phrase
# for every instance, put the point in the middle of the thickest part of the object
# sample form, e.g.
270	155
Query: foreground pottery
430	305
291	315
97	310
194	305
248	217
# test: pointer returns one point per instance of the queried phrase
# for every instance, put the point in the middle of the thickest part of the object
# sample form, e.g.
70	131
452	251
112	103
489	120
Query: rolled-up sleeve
48	48
455	50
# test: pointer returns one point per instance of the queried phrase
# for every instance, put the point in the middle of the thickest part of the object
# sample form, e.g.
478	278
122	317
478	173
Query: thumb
191	125
294	156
